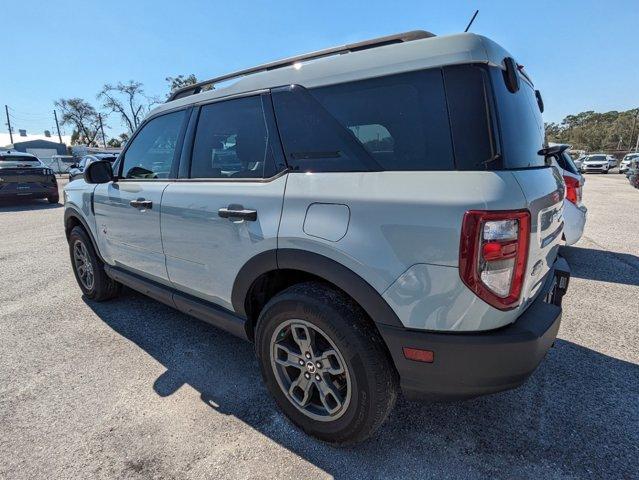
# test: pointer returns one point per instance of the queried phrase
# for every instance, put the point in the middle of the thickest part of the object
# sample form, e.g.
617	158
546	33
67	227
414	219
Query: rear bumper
469	365
603	168
36	190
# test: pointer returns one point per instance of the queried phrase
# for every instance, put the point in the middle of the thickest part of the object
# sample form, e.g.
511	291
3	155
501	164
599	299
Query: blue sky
582	55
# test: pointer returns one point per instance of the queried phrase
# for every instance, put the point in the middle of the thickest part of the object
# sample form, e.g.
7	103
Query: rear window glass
520	122
469	104
398	122
401	120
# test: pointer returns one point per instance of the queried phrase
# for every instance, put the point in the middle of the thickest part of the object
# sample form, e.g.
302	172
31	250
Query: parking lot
133	389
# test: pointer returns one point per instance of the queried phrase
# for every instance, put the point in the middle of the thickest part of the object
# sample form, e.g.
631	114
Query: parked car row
632	172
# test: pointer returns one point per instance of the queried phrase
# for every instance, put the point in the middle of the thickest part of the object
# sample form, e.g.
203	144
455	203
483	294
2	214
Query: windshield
17	158
628	158
596	158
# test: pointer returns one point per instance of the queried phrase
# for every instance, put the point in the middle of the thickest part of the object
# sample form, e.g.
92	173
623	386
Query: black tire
54	199
102	287
372	376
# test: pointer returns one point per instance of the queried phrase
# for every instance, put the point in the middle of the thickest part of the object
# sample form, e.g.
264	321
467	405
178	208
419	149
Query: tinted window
150	154
469	105
566	163
313	140
596	158
520	123
234	140
401	120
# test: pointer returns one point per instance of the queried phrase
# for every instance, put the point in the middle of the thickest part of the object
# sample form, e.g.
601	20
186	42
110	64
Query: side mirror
99	171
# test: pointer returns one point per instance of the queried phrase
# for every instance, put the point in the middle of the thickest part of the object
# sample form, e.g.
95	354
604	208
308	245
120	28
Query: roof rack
352	47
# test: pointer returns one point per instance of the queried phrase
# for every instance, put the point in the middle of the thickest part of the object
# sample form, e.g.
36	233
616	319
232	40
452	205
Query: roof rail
352	47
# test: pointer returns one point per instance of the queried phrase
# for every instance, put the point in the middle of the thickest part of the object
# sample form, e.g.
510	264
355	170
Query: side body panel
78	197
404	233
130	237
205	252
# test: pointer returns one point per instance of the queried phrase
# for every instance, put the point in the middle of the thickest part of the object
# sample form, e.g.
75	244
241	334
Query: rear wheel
89	269
325	364
54	199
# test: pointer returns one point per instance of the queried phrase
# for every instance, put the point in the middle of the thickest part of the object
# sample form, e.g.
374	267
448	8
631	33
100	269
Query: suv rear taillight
492	255
573	189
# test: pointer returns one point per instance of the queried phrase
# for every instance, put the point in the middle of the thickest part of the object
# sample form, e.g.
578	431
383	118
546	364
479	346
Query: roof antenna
471	20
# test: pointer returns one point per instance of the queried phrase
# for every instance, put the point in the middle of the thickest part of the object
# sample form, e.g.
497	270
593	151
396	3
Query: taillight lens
573	190
493	253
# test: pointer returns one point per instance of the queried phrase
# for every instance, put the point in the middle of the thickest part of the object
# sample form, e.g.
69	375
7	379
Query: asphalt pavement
132	389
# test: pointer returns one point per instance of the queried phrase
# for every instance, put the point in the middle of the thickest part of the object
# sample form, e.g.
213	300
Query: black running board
195	307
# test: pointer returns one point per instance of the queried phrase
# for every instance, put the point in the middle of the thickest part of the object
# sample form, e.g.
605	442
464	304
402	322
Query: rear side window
313	139
401	120
471	122
150	154
521	126
397	122
235	139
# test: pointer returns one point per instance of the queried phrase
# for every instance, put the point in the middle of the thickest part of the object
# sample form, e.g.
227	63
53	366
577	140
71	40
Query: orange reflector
427	356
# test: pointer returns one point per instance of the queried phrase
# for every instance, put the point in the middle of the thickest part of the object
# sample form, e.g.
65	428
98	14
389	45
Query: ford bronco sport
376	218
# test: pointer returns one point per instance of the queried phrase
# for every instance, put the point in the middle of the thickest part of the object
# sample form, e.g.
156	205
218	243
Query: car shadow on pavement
576	416
25	205
602	265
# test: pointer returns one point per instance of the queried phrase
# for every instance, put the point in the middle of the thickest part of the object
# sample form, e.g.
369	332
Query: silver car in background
596	162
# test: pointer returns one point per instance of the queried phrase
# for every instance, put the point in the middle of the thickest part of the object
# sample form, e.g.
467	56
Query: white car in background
575	212
625	163
596	162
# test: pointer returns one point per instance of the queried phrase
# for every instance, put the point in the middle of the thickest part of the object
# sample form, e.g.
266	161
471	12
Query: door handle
141	203
237	211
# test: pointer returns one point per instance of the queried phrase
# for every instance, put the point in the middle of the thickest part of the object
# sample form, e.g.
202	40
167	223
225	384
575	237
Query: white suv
377	217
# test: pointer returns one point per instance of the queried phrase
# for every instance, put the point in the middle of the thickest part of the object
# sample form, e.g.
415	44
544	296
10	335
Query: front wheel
54	199
325	364
89	269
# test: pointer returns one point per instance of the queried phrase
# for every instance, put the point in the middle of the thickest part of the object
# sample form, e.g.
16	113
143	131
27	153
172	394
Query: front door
127	211
228	208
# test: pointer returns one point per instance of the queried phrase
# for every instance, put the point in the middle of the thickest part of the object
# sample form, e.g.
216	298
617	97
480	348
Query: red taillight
573	189
493	253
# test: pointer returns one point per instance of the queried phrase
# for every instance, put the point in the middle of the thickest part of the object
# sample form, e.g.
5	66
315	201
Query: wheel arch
73	218
269	272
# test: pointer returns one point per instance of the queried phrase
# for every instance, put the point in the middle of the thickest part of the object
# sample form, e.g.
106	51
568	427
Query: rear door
127	211
226	208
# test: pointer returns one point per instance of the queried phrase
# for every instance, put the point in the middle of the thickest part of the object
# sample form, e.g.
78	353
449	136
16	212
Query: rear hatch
522	136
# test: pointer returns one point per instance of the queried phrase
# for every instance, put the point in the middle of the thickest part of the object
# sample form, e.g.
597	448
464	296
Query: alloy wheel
83	265
310	370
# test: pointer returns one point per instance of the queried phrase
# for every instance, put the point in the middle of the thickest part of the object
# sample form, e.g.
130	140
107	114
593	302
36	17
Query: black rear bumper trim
467	365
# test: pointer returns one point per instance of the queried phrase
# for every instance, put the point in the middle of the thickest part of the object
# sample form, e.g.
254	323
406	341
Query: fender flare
72	212
323	267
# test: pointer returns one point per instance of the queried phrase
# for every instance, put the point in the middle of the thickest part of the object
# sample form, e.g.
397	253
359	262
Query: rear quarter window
397	122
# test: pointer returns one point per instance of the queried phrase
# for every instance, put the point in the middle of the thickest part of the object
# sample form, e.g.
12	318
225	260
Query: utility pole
6	109
57	125
102	130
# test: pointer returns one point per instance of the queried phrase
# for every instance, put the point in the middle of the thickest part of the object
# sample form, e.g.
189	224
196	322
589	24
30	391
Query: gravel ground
133	389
